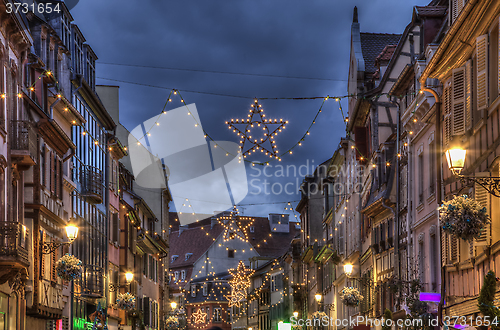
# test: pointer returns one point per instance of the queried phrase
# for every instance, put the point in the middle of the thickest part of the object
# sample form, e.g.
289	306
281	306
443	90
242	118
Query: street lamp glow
318	297
129	277
173	305
348	269
296	314
456	159
71	232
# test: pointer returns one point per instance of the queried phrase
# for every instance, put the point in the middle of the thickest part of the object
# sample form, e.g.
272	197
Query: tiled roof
192	240
372	45
275	245
431	11
385	56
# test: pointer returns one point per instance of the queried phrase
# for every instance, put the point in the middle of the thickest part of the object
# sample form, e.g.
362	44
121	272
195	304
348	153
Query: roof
385	55
192	240
265	245
276	244
431	11
372	44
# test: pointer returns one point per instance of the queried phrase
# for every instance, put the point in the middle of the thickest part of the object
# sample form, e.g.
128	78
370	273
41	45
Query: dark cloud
272	37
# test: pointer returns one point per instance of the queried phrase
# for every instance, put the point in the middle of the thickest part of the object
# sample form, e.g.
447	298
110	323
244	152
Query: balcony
92	282
23	139
13	253
92	184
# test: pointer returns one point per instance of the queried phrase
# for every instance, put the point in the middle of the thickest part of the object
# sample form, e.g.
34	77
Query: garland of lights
249	123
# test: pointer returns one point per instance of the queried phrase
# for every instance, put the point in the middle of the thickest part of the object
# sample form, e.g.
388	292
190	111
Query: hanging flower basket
296	327
172	322
125	301
463	217
318	315
69	267
351	296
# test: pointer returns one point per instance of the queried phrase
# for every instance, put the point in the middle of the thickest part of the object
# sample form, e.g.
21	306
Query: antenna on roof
355	15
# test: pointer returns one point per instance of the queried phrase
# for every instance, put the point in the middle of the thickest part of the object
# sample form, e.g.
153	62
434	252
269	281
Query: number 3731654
41	8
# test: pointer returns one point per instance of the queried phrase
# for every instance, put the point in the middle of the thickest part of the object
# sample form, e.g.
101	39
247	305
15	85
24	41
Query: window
230	253
176	276
217	312
193	290
174	257
205	289
228	315
420	166
432	167
188	255
115	227
183	275
252	229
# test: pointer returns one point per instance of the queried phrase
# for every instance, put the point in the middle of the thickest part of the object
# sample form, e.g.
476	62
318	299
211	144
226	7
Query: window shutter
444	248
468	95
146	310
453	249
42	256
482	71
483	197
456	8
447	113
53	275
498	68
458	101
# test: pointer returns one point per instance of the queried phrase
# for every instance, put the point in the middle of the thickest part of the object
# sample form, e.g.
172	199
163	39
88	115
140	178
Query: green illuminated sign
81	324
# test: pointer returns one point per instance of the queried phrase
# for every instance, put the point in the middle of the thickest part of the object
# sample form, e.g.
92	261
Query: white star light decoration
234	227
239	284
257	132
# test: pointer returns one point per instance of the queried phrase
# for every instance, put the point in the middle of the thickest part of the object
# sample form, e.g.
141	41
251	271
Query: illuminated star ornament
199	316
239	284
235	226
256	131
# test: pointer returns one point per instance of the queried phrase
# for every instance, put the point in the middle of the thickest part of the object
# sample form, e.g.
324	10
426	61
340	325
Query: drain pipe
395	212
439	153
52	108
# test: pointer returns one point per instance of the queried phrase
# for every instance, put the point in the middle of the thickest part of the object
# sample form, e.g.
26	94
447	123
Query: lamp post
455	157
71	234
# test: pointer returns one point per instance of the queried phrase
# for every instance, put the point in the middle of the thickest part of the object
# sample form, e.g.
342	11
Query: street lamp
129	276
318	297
296	314
173	305
71	233
455	157
348	269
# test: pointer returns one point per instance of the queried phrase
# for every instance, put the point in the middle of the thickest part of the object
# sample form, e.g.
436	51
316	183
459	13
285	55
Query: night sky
252	39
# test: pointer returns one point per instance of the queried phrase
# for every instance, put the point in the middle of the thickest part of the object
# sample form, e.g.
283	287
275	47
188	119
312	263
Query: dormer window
193	290
174	257
252	229
187	256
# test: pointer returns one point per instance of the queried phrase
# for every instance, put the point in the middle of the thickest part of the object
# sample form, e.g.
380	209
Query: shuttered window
482	72
453	248
447	113
468	94
445	256
483	197
456	8
458	101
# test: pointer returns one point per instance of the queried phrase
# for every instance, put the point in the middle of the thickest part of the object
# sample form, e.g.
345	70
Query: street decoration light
455	157
71	233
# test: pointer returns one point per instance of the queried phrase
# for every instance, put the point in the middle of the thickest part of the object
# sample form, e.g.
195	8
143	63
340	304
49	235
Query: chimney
213	222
